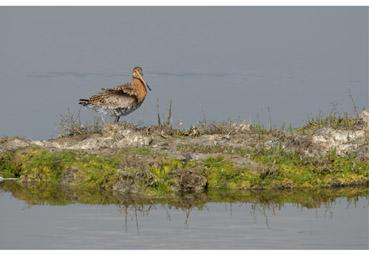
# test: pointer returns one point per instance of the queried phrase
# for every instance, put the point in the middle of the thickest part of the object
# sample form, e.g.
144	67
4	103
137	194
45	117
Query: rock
13	143
194	131
116	129
184	157
242	127
343	141
113	137
272	143
363	152
40	143
209	140
129	181
133	139
191	180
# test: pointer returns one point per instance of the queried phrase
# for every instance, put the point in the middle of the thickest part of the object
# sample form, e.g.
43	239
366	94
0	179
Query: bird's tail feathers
84	102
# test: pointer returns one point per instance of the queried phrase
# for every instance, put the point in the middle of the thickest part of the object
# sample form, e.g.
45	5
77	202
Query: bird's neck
140	87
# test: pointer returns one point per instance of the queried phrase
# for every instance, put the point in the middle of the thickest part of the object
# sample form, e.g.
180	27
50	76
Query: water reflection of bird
120	100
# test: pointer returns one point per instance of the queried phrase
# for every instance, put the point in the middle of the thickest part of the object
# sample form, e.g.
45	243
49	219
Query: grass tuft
333	120
70	124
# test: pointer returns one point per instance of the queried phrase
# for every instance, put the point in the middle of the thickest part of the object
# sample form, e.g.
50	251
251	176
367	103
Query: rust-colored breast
140	90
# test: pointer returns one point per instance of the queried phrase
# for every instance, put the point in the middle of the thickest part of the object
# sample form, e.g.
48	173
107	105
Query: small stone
184	157
244	126
271	143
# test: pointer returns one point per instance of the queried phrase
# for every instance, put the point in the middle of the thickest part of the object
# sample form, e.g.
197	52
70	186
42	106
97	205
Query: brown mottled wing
119	96
123	89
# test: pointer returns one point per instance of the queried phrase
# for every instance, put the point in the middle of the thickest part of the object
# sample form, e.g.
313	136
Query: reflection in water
261	200
258	202
142	209
332	218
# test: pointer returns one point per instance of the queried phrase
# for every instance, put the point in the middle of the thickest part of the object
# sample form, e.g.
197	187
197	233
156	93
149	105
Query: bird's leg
102	118
117	119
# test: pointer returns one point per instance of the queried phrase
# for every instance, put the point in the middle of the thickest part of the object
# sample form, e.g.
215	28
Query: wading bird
120	100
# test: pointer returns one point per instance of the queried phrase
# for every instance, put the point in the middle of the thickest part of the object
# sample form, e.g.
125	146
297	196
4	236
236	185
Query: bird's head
138	74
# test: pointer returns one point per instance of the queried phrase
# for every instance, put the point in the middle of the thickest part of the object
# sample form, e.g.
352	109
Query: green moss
39	167
146	171
44	166
222	174
95	173
162	179
8	165
293	171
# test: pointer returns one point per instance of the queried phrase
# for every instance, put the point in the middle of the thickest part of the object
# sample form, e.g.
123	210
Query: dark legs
117	119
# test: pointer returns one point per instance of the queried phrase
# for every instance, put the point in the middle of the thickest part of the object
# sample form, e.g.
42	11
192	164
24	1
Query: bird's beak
147	85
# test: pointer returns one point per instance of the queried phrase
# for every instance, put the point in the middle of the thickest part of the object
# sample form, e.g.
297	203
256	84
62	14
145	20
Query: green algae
291	170
145	171
222	174
36	166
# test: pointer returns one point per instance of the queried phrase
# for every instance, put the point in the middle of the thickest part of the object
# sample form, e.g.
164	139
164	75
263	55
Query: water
313	223
222	63
284	64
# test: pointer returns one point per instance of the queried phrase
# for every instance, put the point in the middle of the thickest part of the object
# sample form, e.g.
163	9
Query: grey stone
343	141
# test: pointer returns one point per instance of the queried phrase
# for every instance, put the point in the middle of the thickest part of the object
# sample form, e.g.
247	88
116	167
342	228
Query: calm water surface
339	224
277	64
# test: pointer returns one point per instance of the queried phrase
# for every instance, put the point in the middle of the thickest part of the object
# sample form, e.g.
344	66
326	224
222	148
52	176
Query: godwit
120	100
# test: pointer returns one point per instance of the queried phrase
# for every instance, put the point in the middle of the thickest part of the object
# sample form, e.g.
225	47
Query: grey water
339	224
286	64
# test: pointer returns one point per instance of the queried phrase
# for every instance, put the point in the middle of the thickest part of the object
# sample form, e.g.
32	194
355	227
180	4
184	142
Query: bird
120	100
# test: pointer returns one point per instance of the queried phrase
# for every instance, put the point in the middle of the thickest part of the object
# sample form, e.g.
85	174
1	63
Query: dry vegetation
333	120
70	124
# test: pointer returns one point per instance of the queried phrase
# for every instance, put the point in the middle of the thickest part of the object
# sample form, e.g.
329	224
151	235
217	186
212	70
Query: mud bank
160	160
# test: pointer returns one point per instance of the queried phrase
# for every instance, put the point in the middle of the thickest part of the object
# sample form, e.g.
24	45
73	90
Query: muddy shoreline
160	160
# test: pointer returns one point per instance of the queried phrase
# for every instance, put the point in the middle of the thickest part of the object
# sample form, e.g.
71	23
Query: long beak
147	85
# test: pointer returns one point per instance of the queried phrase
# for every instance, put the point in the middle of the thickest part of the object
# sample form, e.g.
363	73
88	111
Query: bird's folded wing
124	89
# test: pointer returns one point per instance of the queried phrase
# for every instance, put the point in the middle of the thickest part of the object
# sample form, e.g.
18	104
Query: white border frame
184	3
